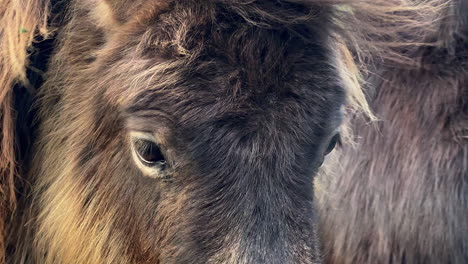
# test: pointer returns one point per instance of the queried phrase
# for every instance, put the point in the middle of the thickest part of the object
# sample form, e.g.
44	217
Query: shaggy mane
21	22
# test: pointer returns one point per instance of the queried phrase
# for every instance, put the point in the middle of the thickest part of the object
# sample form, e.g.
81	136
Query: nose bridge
281	231
258	197
269	232
277	222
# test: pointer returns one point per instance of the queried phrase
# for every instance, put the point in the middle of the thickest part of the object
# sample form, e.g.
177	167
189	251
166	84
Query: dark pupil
336	139
149	152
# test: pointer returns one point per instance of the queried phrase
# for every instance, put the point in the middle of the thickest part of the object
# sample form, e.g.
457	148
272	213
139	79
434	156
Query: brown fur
67	220
401	195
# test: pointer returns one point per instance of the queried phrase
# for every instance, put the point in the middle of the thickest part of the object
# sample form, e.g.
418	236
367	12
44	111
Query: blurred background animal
400	194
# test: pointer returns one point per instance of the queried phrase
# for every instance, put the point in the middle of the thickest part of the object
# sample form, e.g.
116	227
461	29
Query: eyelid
149	121
143	135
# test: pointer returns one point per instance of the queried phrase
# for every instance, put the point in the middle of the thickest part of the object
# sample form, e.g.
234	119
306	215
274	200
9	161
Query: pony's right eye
149	153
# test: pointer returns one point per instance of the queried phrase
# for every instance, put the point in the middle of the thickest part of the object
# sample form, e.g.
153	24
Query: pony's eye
149	153
336	139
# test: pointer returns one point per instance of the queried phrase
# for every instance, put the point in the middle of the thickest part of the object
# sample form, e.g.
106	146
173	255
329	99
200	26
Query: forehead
215	88
217	64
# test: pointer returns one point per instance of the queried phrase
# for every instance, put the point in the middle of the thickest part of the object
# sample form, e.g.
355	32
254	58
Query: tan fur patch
103	15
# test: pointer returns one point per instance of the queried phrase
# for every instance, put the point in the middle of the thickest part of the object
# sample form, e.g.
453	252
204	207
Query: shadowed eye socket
149	153
336	139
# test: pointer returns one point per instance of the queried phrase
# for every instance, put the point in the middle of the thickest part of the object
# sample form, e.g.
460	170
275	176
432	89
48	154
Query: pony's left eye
336	139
